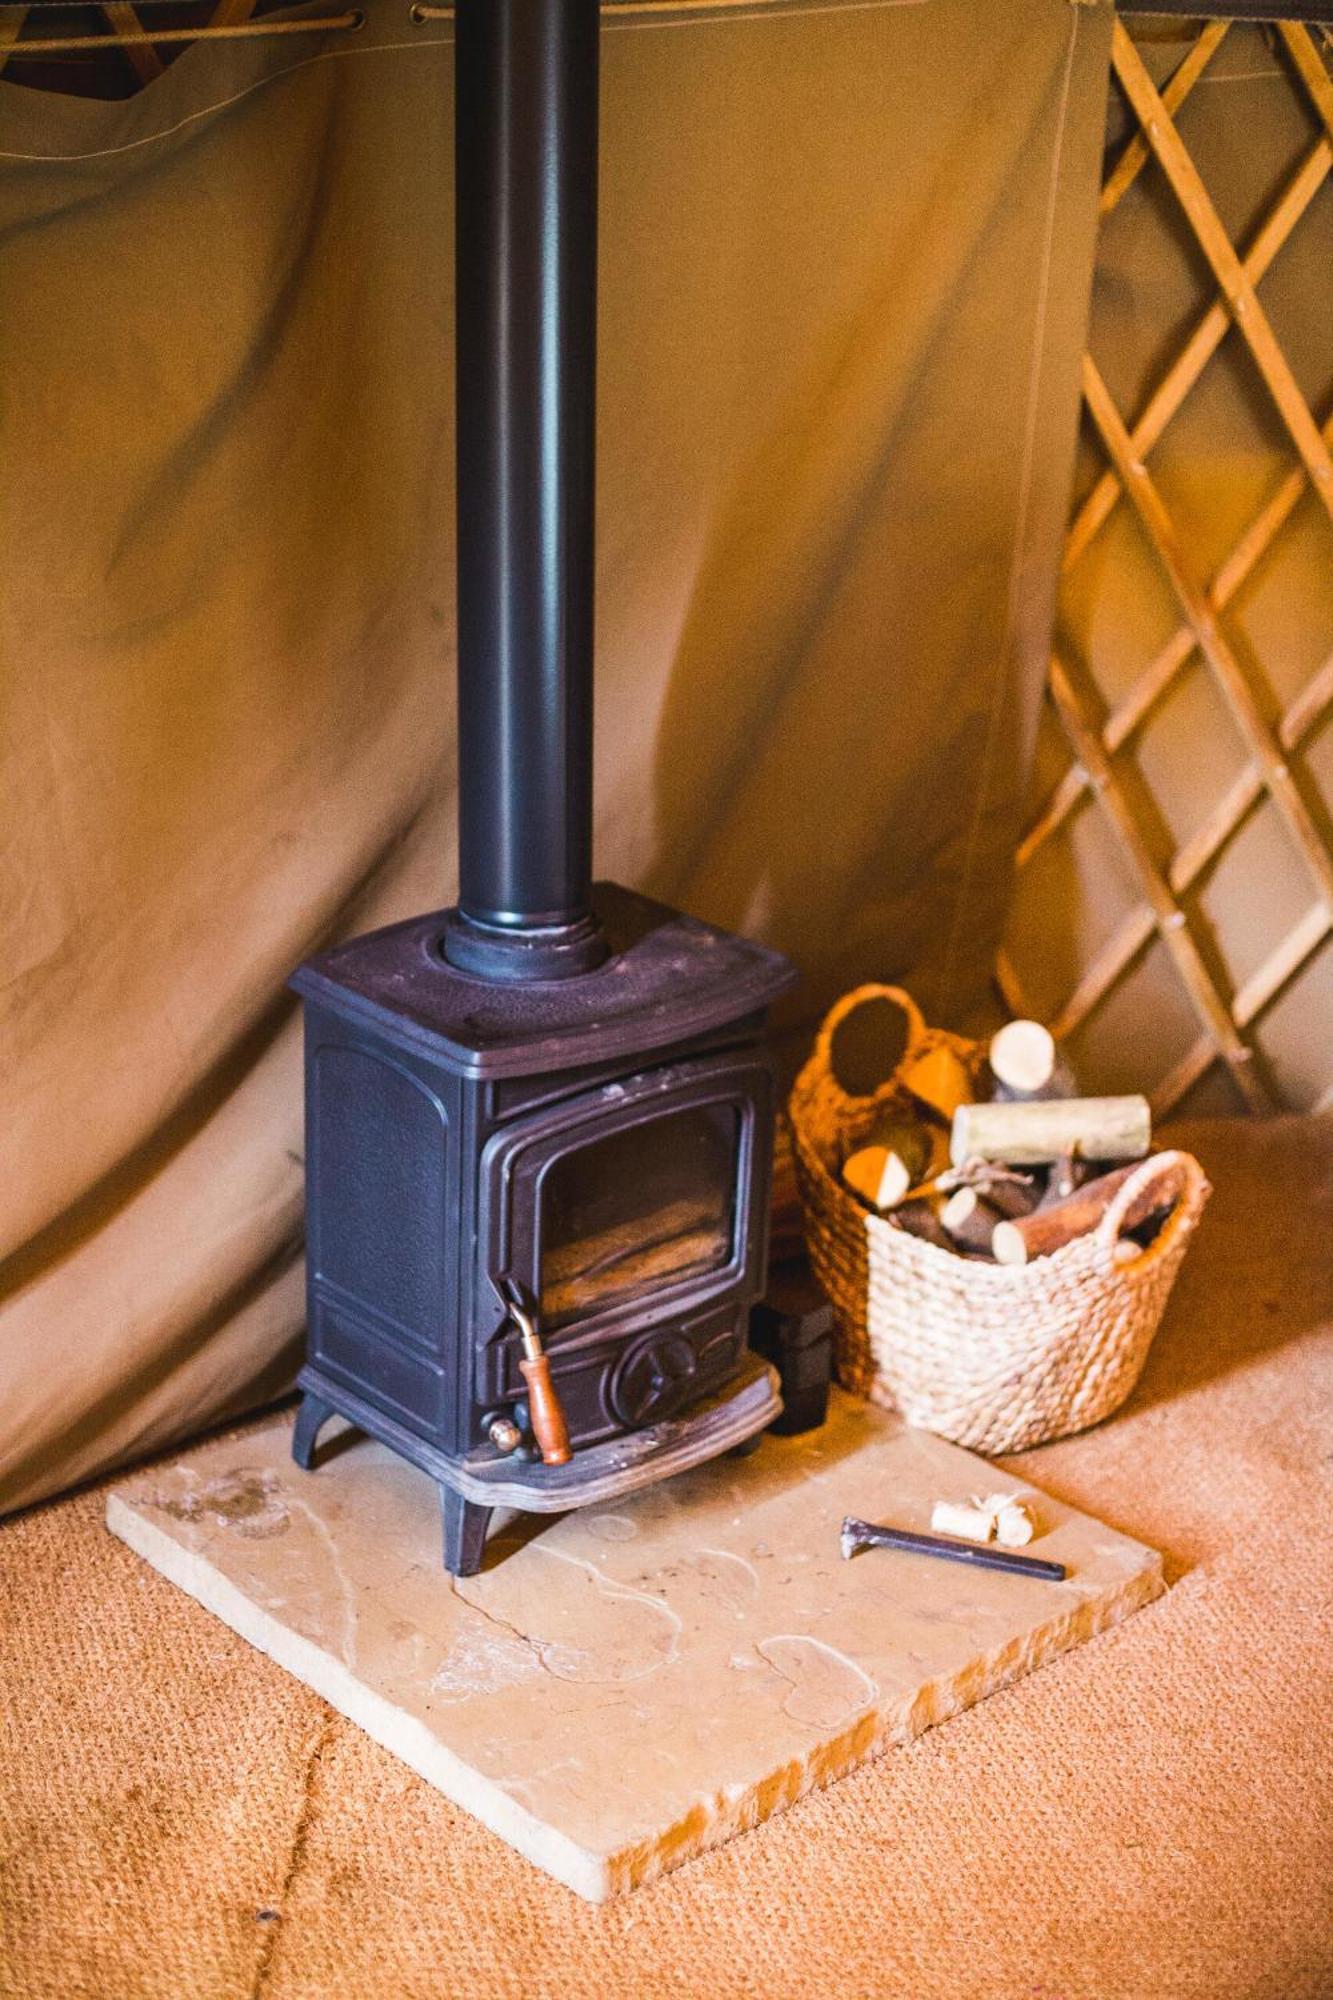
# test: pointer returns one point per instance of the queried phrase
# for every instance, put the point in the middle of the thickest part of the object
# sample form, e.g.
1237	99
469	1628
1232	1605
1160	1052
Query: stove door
639	1206
642	1209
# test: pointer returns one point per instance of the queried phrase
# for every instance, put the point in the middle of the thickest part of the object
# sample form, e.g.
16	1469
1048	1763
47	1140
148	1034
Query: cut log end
1022	1057
1007	1244
879	1175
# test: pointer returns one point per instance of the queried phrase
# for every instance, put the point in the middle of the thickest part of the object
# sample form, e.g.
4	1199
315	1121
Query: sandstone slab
623	1687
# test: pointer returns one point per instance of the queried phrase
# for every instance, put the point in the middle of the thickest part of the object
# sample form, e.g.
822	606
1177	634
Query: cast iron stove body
539	1125
599	1146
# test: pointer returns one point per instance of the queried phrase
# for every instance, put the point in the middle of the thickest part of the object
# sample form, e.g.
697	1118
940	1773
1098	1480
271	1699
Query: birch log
1022	1058
1089	1128
1025	1063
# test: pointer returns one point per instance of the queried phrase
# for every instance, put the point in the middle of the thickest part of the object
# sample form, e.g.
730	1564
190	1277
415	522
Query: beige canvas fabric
846	254
1147	1818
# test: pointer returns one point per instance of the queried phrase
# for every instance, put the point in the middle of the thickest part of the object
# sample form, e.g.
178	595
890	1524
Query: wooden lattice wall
1175	892
114	48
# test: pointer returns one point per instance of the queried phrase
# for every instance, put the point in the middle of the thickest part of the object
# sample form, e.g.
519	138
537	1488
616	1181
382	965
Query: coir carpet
1147	1817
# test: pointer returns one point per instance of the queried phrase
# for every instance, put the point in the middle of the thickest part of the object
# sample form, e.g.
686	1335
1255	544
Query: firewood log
1066	1175
1047	1229
970	1215
969	1221
882	1173
921	1218
1026	1064
1036	1133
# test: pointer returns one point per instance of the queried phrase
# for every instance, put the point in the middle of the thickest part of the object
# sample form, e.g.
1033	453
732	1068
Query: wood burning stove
539	1125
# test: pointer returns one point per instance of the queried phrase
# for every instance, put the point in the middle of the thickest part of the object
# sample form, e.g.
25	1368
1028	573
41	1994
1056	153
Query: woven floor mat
1148	1816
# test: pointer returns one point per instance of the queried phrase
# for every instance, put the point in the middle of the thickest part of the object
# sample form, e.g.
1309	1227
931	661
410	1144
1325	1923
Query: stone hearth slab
623	1687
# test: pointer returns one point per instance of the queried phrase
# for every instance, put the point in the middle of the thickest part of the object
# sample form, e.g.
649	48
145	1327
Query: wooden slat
1314	699
1010	985
1208	839
1213	643
1158	676
1245	791
1136	929
306	24
1214	1016
1095	740
11	27
146	61
1195	1063
1310	69
1281	965
1212	238
1119	726
1131	936
1182	81
1202	344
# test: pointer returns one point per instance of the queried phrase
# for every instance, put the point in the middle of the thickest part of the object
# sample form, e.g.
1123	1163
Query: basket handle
841	1010
1173	1176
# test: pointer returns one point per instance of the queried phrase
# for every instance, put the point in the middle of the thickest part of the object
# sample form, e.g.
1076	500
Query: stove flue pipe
525	95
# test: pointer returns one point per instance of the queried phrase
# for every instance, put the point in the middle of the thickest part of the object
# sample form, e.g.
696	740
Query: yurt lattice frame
1275	768
116	36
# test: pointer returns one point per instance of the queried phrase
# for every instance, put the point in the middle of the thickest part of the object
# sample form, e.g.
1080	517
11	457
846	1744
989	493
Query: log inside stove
642	1209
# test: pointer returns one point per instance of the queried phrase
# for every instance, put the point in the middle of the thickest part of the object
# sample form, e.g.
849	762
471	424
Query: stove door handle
546	1410
544	1406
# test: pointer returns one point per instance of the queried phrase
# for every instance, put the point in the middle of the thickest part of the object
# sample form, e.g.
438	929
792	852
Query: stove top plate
669	977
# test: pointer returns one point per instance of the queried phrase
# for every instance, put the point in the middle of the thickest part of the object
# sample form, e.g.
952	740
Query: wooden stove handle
544	1406
545	1409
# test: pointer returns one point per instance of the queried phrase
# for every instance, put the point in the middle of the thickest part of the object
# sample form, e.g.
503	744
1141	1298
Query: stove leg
465	1525
311	1418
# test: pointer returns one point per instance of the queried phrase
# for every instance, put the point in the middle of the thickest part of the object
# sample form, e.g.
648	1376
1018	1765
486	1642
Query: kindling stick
858	1535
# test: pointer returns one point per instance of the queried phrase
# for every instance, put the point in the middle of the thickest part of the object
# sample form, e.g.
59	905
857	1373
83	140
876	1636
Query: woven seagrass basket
996	1357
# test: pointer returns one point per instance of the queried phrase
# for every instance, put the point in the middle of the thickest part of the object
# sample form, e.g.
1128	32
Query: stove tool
858	1535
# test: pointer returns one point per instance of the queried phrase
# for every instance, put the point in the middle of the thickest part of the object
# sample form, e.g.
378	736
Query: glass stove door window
645	1207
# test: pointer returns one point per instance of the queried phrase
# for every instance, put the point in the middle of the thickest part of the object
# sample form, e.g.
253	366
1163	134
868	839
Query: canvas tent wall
847	253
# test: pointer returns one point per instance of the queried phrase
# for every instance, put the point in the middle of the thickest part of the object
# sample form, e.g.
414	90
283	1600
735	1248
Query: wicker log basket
995	1357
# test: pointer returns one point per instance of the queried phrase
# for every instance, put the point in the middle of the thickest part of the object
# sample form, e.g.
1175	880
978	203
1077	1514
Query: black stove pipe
525	95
